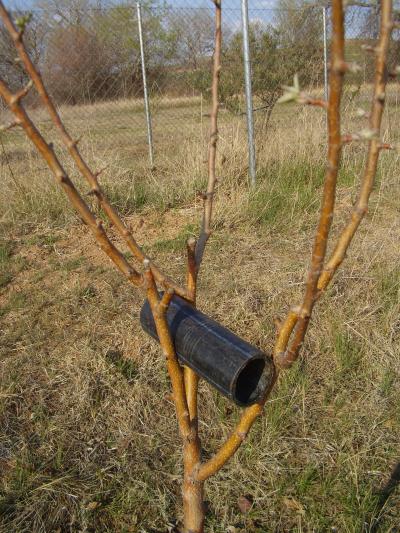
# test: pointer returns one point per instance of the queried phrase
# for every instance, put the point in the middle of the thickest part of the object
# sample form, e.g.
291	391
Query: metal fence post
248	90
326	88
145	94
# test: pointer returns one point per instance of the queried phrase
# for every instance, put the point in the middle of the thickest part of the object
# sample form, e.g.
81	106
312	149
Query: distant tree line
89	51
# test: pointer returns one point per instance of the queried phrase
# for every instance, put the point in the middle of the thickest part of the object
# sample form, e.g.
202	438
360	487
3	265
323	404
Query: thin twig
191	378
191	280
212	147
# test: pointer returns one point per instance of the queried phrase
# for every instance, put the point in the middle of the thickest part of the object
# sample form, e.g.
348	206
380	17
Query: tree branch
233	442
61	176
286	358
191	378
374	148
174	369
71	145
212	147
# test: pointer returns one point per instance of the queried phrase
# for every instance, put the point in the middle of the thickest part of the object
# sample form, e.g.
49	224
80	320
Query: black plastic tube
238	370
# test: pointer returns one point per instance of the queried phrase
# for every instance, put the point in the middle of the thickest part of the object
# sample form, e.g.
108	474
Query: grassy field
88	441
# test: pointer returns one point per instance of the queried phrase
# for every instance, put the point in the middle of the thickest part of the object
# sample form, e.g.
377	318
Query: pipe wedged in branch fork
72	147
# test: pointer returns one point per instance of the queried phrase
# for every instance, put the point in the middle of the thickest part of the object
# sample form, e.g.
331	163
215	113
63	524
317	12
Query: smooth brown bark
375	146
338	69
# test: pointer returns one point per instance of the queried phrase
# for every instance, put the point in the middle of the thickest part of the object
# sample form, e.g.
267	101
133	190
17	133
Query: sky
228	4
261	10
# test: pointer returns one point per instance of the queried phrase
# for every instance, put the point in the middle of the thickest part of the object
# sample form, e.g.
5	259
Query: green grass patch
6	249
348	353
283	410
5	279
71	264
389	287
86	293
127	197
388	380
348	175
16	301
307	479
284	191
177	243
43	240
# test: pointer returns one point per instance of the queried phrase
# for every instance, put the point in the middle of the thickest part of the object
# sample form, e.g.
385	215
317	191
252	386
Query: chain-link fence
90	59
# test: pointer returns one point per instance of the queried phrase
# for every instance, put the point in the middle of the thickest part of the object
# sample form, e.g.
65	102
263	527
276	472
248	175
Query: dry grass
87	441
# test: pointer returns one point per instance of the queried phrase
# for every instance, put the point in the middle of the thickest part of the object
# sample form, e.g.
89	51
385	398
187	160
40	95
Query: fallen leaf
294	505
245	503
92	505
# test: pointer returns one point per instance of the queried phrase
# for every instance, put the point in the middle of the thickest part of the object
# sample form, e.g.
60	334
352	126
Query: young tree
292	45
269	69
290	332
72	76
299	26
91	51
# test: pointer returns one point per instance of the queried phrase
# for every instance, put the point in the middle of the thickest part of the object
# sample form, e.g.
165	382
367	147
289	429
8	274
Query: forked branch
298	317
251	413
63	179
72	147
337	71
319	277
292	332
374	148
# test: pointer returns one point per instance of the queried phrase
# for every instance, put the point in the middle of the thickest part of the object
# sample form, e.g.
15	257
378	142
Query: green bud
23	21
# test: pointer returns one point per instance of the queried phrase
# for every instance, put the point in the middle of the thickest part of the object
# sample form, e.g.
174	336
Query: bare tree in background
12	70
71	76
144	273
193	35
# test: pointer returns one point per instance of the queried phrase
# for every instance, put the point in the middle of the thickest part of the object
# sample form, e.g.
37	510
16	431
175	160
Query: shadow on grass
125	366
384	493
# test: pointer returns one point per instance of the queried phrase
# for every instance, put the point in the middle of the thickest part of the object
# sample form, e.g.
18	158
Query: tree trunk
193	503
